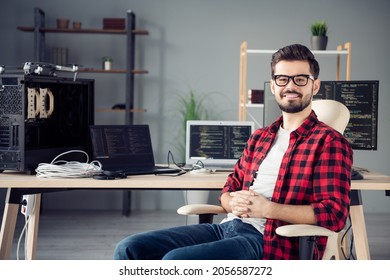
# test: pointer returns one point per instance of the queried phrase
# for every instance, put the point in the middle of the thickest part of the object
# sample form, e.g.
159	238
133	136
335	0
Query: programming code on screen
361	98
218	142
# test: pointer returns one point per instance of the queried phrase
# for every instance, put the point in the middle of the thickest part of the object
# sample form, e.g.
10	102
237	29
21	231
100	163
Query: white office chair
334	114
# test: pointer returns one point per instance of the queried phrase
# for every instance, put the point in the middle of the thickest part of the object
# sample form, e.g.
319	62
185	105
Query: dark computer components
42	117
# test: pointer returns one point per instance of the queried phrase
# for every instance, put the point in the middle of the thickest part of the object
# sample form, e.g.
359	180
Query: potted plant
191	107
319	38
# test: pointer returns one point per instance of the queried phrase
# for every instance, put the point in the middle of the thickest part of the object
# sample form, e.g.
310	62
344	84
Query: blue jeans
233	240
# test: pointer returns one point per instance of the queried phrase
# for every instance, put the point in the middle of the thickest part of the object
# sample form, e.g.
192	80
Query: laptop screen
122	146
216	143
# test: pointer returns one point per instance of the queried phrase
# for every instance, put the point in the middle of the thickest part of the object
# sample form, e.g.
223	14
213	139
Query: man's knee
176	254
128	249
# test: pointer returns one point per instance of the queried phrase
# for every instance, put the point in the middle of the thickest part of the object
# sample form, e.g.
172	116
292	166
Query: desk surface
372	181
186	181
14	180
9	179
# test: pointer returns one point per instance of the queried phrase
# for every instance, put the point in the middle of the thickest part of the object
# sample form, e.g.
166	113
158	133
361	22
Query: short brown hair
296	52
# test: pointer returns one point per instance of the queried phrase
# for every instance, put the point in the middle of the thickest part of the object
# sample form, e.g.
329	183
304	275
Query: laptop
126	149
216	145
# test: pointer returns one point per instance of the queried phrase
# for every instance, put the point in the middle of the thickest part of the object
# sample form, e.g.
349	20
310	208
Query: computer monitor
216	143
360	97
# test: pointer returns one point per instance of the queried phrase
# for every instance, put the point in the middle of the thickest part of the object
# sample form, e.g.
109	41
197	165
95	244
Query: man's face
293	98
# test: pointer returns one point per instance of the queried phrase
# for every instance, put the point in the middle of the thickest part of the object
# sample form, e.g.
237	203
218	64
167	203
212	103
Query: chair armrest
304	230
200	209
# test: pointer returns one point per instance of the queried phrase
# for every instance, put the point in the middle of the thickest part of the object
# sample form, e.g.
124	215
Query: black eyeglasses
300	80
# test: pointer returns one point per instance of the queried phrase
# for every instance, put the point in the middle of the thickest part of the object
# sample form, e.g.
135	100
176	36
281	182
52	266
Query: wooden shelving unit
131	32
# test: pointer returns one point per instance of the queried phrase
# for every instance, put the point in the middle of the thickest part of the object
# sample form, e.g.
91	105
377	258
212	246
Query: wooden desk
372	181
20	184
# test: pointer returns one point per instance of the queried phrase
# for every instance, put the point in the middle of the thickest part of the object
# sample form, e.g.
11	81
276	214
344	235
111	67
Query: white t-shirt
267	174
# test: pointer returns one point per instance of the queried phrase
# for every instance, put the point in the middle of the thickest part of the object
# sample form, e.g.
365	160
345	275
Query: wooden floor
92	235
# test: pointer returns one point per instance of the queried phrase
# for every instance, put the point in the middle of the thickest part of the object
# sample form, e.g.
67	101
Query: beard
294	106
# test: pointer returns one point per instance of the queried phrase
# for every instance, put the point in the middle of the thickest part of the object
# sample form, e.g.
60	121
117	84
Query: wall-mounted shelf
84	30
254	105
135	110
112	71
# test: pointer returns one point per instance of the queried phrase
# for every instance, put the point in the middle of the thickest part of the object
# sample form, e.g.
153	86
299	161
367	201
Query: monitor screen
216	142
360	97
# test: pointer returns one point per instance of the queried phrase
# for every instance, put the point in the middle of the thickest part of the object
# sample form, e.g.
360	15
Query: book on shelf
256	96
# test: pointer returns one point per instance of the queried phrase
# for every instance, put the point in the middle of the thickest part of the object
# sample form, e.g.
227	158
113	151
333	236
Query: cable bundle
68	169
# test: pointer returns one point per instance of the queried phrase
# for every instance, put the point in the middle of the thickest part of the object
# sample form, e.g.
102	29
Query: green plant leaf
319	28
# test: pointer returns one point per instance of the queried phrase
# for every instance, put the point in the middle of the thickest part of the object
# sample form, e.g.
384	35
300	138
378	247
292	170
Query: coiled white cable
68	169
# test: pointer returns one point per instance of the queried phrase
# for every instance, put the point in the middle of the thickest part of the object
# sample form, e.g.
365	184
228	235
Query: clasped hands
248	204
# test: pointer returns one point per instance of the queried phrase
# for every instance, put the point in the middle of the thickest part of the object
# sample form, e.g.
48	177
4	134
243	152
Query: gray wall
195	44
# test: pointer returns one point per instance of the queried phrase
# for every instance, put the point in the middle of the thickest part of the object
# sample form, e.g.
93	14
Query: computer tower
42	117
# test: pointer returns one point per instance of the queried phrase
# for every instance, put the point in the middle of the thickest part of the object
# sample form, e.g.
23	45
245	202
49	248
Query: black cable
350	255
196	166
352	246
342	241
180	166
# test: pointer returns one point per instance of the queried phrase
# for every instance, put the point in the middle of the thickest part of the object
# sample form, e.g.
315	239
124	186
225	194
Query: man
297	170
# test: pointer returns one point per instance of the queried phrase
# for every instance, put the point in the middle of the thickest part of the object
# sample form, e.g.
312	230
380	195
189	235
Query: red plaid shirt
315	170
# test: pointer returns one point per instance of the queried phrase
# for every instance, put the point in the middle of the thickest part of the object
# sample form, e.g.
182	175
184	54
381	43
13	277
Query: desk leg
10	216
126	207
359	233
359	226
33	224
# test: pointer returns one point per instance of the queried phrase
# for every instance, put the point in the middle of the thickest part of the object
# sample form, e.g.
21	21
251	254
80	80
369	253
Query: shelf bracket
39	37
242	89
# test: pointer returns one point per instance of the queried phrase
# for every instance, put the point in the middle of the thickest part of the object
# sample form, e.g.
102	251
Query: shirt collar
303	130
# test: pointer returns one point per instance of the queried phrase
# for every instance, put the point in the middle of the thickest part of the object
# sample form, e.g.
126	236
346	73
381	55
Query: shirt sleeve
332	183
234	180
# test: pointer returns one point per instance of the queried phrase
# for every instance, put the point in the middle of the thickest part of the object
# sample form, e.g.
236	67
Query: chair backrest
336	115
333	113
